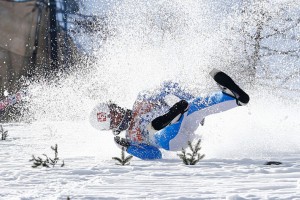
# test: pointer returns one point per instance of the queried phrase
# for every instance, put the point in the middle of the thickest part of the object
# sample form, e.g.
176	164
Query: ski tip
213	72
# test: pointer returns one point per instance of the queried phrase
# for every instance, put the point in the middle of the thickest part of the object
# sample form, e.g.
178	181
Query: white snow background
140	56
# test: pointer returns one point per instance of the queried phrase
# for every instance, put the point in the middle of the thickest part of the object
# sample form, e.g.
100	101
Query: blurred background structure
34	40
34	43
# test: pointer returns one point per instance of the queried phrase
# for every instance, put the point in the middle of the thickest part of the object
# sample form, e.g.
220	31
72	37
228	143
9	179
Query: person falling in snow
153	123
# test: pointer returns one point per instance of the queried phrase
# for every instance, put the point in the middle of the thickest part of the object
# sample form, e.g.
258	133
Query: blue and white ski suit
175	136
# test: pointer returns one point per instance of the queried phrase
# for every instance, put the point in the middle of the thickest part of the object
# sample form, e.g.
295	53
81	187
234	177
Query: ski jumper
173	137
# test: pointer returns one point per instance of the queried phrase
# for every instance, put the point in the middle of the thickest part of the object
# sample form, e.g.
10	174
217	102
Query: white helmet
100	117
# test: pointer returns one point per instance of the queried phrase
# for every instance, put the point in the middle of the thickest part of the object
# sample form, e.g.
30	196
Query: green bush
193	157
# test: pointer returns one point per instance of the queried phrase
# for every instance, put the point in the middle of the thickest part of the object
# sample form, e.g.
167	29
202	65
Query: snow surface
232	169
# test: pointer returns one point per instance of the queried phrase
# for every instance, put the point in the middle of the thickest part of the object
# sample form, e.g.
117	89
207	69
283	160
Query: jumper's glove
122	142
116	131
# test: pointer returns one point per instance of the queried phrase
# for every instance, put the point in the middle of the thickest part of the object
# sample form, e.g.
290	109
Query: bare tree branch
277	31
293	53
288	78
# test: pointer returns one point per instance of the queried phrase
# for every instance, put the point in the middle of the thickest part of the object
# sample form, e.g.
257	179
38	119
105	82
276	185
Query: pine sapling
47	162
123	160
194	157
183	157
4	134
54	161
39	162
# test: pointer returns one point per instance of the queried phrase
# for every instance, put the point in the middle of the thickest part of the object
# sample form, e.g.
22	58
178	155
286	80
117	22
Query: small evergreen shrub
47	162
4	133
193	157
123	160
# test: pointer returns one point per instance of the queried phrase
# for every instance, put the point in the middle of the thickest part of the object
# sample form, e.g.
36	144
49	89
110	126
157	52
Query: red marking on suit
101	116
136	135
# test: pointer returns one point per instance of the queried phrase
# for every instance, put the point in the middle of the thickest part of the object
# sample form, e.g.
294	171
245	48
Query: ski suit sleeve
144	151
167	88
173	88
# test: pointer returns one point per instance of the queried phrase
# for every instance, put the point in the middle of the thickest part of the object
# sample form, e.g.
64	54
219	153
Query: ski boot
229	87
170	117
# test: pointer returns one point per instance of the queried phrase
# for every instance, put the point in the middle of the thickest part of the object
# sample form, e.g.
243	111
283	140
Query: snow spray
154	41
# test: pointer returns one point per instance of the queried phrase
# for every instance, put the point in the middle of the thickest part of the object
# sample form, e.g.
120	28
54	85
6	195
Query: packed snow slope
151	42
232	169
